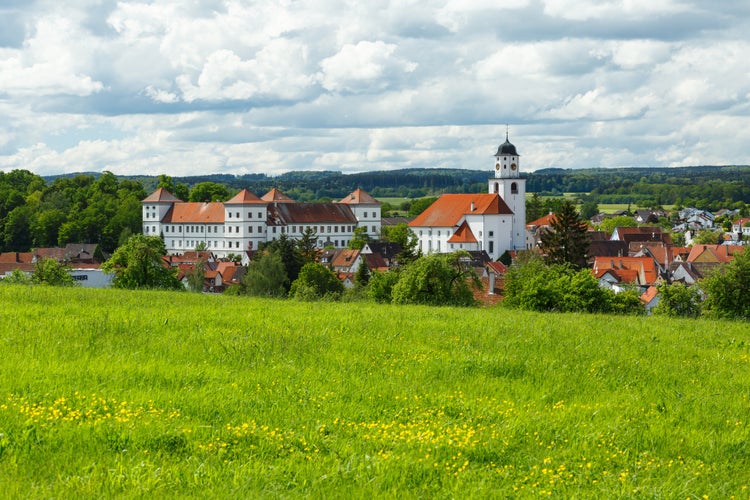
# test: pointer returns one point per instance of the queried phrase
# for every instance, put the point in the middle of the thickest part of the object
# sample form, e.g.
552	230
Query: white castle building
242	223
493	222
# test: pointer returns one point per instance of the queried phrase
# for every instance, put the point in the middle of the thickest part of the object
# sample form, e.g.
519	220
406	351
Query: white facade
496	221
244	222
508	183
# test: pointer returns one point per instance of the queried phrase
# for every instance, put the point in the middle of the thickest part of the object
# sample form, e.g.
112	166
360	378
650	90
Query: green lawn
146	394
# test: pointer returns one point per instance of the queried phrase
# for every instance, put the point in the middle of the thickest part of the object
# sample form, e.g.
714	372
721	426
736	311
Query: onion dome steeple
506	148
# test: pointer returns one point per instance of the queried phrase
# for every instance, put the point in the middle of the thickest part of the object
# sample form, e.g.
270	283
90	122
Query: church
493	222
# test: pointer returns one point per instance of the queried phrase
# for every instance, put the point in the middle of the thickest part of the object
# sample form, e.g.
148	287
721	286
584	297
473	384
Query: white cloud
53	61
597	104
276	85
585	10
364	67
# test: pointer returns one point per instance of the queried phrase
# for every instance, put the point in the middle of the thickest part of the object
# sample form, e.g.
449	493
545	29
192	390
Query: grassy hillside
112	393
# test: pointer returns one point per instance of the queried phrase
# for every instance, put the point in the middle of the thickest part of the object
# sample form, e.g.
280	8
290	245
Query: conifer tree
567	241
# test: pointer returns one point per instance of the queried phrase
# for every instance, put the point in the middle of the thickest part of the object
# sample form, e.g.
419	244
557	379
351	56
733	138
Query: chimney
472	207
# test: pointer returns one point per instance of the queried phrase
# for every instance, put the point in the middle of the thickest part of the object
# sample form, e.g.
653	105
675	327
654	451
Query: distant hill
725	184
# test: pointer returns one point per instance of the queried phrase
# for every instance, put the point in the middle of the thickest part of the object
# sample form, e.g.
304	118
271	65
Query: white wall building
493	222
242	223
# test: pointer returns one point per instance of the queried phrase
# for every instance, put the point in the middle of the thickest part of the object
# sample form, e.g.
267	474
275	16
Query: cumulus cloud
364	67
48	63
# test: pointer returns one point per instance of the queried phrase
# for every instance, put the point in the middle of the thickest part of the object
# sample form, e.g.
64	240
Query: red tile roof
497	267
649	294
547	220
196	213
276	195
359	197
450	208
160	194
714	253
463	235
243	197
345	258
227	270
16	257
631	269
376	262
9	267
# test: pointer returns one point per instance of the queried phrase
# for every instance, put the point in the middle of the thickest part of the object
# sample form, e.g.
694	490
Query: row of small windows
249	215
291	229
236	244
194	243
260	229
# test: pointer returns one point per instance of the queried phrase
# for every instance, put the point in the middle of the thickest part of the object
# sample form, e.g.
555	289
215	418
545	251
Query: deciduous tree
359	239
139	264
51	272
266	276
315	281
728	289
437	279
678	299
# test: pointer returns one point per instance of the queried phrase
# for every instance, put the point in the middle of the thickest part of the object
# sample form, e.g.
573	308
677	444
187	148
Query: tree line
104	208
705	187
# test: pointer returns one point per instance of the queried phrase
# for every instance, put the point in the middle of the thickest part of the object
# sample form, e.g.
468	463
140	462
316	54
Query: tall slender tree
567	241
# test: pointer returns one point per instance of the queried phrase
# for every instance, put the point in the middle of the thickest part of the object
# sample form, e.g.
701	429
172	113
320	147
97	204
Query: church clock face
497	166
513	166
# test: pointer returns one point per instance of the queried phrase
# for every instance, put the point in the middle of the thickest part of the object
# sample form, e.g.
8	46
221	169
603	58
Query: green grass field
110	393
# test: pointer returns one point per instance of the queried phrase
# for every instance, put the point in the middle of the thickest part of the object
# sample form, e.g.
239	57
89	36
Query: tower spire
507	129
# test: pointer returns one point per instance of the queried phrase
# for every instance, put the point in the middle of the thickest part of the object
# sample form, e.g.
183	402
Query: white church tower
511	187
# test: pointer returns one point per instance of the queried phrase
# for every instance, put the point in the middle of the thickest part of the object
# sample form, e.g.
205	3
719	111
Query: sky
195	87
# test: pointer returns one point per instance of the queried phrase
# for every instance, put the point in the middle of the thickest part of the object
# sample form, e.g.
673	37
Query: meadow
115	393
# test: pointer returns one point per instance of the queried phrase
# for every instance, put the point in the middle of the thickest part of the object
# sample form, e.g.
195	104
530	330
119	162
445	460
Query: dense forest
104	208
36	213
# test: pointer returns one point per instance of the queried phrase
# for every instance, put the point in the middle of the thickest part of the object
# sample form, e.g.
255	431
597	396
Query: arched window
514	188
497	188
